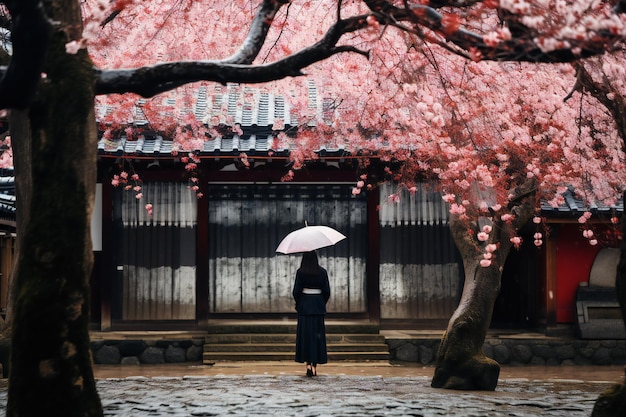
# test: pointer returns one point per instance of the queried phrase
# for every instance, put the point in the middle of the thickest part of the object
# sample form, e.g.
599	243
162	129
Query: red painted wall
575	257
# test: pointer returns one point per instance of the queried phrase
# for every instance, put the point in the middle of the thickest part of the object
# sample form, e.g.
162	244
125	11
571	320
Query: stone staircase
275	341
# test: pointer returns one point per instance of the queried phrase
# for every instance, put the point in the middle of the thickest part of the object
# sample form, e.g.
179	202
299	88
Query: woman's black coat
311	304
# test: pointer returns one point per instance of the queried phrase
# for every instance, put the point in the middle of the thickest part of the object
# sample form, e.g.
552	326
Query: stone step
289	338
289	327
212	357
290	347
275	341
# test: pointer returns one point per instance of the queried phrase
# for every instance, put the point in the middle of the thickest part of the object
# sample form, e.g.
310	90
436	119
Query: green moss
611	403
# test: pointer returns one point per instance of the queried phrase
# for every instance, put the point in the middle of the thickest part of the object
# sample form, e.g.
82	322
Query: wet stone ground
339	396
336	395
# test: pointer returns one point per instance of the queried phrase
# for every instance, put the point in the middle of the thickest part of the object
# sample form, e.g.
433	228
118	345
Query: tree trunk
612	403
461	363
51	370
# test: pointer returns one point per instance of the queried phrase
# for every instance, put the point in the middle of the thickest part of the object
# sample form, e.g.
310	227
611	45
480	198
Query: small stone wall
135	352
516	351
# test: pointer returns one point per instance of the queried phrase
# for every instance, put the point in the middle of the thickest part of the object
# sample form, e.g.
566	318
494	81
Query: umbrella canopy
308	239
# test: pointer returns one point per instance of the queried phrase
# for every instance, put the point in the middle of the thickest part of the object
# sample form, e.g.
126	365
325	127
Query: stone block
194	353
107	355
152	355
521	353
174	354
131	360
406	352
426	355
563	352
602	356
501	354
542	350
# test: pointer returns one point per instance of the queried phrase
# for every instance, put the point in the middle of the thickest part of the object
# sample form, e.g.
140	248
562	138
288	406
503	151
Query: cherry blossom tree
602	78
385	100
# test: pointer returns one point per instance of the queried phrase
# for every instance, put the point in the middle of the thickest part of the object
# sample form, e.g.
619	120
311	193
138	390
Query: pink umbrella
309	238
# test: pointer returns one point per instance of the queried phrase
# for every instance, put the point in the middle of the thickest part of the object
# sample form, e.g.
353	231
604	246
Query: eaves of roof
574	206
233	146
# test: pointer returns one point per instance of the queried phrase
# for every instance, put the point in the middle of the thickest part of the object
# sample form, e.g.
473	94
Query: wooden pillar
108	269
551	277
373	255
202	256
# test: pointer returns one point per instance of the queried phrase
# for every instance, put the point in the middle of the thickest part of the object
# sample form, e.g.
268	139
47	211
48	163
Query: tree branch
519	49
615	104
257	34
150	80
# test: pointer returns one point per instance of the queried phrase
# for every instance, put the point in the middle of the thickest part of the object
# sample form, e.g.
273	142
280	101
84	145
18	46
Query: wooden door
248	221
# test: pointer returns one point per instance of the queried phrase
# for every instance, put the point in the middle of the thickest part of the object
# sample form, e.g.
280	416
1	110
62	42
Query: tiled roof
254	112
575	206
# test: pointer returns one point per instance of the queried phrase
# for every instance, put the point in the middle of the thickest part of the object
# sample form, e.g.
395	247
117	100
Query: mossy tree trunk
51	371
461	363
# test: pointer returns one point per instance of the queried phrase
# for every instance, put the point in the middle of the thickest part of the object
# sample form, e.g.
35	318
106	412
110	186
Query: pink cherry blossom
588	233
449	198
516	241
492	247
485	263
507	217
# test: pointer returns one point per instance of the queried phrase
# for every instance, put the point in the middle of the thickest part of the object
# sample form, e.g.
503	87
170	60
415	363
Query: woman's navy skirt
311	339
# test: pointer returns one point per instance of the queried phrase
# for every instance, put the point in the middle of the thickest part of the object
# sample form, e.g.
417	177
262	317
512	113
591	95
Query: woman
311	292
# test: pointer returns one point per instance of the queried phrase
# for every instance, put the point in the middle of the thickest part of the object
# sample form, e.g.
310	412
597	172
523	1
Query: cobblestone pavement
275	390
